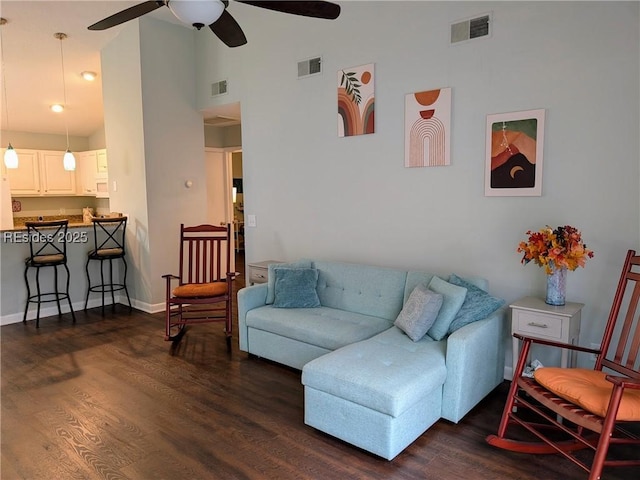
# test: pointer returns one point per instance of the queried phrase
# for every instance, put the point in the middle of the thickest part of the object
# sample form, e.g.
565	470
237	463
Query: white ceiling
33	68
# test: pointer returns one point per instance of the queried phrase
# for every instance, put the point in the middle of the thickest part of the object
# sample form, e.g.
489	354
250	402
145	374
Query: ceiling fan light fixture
198	13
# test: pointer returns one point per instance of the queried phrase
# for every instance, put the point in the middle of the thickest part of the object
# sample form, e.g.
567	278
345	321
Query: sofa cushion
364	289
453	298
419	312
295	288
478	304
200	290
388	373
271	278
324	327
590	390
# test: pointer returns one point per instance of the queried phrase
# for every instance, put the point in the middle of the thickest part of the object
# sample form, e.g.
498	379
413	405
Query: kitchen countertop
75	221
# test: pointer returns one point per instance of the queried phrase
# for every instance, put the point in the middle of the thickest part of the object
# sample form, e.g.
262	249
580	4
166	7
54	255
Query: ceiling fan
213	13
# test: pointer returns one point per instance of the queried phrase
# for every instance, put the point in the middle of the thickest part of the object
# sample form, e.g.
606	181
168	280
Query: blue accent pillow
295	288
419	312
271	279
453	298
477	305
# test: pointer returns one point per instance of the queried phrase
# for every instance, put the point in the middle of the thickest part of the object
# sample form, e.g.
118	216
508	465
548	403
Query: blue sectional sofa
366	381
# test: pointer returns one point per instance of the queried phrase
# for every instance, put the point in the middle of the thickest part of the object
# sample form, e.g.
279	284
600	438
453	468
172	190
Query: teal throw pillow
295	288
453	298
419	312
477	305
271	279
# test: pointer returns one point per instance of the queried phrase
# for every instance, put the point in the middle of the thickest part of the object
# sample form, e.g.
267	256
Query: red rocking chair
204	290
572	409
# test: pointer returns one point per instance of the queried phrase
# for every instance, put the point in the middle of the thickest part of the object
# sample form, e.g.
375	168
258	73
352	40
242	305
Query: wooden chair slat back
622	333
205	253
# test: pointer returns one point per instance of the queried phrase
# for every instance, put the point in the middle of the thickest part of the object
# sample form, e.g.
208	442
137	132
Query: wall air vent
471	29
219	88
311	66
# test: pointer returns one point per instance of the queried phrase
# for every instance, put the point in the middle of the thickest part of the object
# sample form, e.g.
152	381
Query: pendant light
69	161
10	155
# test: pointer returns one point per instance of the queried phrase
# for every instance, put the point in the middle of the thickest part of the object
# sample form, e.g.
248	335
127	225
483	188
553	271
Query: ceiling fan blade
127	14
227	29
316	9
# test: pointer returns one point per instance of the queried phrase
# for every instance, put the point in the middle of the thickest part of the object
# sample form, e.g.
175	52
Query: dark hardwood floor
108	398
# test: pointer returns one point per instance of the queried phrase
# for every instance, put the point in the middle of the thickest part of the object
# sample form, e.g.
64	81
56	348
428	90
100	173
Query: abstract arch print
427	128
356	101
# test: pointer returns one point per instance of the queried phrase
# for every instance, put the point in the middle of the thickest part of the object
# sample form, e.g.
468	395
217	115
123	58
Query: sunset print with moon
513	154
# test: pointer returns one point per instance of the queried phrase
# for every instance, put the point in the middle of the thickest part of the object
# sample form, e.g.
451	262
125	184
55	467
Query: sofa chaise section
379	394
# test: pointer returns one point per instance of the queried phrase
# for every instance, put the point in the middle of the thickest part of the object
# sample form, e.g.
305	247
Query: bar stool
109	244
47	248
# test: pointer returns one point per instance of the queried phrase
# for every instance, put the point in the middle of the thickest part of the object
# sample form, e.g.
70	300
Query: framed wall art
514	153
427	128
356	101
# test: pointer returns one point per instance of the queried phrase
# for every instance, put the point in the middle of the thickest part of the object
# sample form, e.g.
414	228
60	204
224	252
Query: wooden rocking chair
580	408
204	290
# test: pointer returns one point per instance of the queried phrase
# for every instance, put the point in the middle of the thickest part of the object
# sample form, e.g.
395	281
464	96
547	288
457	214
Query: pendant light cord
4	79
62	36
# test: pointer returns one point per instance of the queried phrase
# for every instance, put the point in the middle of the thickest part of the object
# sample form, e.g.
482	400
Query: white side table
259	271
532	317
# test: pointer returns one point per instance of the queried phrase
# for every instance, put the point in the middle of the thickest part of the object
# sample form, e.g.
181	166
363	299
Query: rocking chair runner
593	409
204	290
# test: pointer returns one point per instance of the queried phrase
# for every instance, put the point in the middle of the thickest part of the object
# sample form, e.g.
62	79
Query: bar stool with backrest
109	244
47	248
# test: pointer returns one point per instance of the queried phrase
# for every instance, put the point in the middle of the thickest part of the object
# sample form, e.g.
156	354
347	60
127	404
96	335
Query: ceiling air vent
470	29
311	66
219	88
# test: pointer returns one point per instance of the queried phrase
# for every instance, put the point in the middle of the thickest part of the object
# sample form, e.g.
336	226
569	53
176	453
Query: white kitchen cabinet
101	162
42	173
92	174
24	180
54	179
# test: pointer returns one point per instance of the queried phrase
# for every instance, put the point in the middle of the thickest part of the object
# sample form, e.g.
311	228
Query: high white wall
351	199
155	142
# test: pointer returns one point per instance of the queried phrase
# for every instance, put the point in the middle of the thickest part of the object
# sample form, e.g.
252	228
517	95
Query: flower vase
556	286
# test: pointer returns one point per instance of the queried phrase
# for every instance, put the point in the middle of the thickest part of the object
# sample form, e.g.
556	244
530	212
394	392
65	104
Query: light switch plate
251	221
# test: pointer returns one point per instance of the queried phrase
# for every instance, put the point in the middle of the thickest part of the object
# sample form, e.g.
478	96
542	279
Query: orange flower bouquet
550	248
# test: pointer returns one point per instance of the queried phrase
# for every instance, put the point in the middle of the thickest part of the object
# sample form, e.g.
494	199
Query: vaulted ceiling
32	63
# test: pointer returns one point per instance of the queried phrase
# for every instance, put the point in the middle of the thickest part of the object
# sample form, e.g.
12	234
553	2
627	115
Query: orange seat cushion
199	290
588	389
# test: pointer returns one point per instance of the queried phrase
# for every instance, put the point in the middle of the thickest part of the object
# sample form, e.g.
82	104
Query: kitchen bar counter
13	251
75	221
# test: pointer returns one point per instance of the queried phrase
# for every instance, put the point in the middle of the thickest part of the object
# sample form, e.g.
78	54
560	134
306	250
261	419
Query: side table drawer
537	325
258	275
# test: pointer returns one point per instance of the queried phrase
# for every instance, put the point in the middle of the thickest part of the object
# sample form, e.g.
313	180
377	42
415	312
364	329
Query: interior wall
351	199
45	141
222	137
174	144
123	114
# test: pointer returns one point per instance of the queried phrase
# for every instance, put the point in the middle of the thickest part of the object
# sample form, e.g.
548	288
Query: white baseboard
508	373
52	309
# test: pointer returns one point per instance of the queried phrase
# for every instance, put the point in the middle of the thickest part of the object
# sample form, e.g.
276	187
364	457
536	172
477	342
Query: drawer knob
539	325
